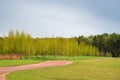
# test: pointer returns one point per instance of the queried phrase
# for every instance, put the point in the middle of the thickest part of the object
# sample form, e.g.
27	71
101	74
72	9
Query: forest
24	44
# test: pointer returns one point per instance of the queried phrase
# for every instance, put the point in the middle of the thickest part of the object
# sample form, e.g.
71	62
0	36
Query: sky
60	18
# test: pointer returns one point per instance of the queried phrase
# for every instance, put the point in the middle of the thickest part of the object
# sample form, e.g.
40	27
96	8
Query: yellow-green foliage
22	43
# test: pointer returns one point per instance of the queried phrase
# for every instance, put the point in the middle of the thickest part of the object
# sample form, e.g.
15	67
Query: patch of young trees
23	44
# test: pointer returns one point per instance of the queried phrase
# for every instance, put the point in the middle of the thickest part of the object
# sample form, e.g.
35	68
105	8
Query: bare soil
5	70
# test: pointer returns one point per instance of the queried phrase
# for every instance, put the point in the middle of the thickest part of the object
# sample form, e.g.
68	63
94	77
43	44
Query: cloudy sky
65	18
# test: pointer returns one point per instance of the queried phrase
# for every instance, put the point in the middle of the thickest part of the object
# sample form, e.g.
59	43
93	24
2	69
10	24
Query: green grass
6	63
90	69
34	59
49	57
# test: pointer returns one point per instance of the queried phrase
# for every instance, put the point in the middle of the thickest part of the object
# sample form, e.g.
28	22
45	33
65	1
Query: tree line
107	44
25	45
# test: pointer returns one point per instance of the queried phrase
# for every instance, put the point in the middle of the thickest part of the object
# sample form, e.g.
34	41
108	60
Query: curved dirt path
5	70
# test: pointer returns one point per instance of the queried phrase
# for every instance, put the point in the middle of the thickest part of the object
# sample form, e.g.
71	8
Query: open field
5	70
6	63
90	69
63	57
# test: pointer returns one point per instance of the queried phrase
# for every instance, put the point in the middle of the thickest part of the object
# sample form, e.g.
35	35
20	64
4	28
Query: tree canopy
24	44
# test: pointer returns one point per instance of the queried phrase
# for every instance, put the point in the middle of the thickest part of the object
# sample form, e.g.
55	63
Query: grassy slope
6	63
90	69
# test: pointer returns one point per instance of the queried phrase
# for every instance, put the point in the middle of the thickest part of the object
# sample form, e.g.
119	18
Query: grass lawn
6	63
90	69
63	57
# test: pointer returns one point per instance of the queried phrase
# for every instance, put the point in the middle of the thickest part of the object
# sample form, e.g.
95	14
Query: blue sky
60	18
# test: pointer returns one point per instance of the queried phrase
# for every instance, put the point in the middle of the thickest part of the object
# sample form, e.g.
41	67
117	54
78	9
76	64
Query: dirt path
5	70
